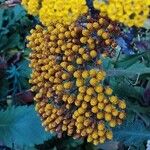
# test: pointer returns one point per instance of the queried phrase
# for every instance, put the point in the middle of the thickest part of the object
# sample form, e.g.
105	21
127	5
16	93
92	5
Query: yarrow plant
68	79
88	65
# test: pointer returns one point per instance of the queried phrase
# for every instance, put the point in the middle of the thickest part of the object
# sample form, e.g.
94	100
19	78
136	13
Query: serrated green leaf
135	69
125	89
20	125
130	60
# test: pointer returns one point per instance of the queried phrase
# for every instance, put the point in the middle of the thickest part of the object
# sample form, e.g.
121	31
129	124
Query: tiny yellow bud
87	98
122	104
109	135
101	126
86	57
122	115
108	116
79	82
89	130
67	85
85	74
100	97
100	115
89	139
93	101
81	51
101	106
94	135
70	68
79	61
93	53
77	74
112	123
99	89
93	73
108	108
82	89
96	25
108	91
93	81
90	91
80	119
95	109
114	100
101	133
102	140
81	110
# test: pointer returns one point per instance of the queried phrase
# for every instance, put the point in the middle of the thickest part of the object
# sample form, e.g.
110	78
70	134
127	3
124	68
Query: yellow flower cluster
56	11
128	12
32	6
67	79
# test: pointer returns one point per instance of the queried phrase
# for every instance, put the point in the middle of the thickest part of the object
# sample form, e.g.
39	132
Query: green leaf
140	109
132	133
125	89
24	69
18	12
21	126
13	41
135	69
130	60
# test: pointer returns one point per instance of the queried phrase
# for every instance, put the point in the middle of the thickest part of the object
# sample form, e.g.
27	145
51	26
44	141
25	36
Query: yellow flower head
128	12
56	11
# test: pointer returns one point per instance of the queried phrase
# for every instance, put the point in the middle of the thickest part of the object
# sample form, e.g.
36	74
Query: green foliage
132	133
19	75
128	66
125	89
12	21
135	69
129	76
127	61
15	25
21	126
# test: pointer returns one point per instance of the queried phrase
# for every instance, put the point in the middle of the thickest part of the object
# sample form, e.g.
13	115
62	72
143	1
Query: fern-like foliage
132	133
21	126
